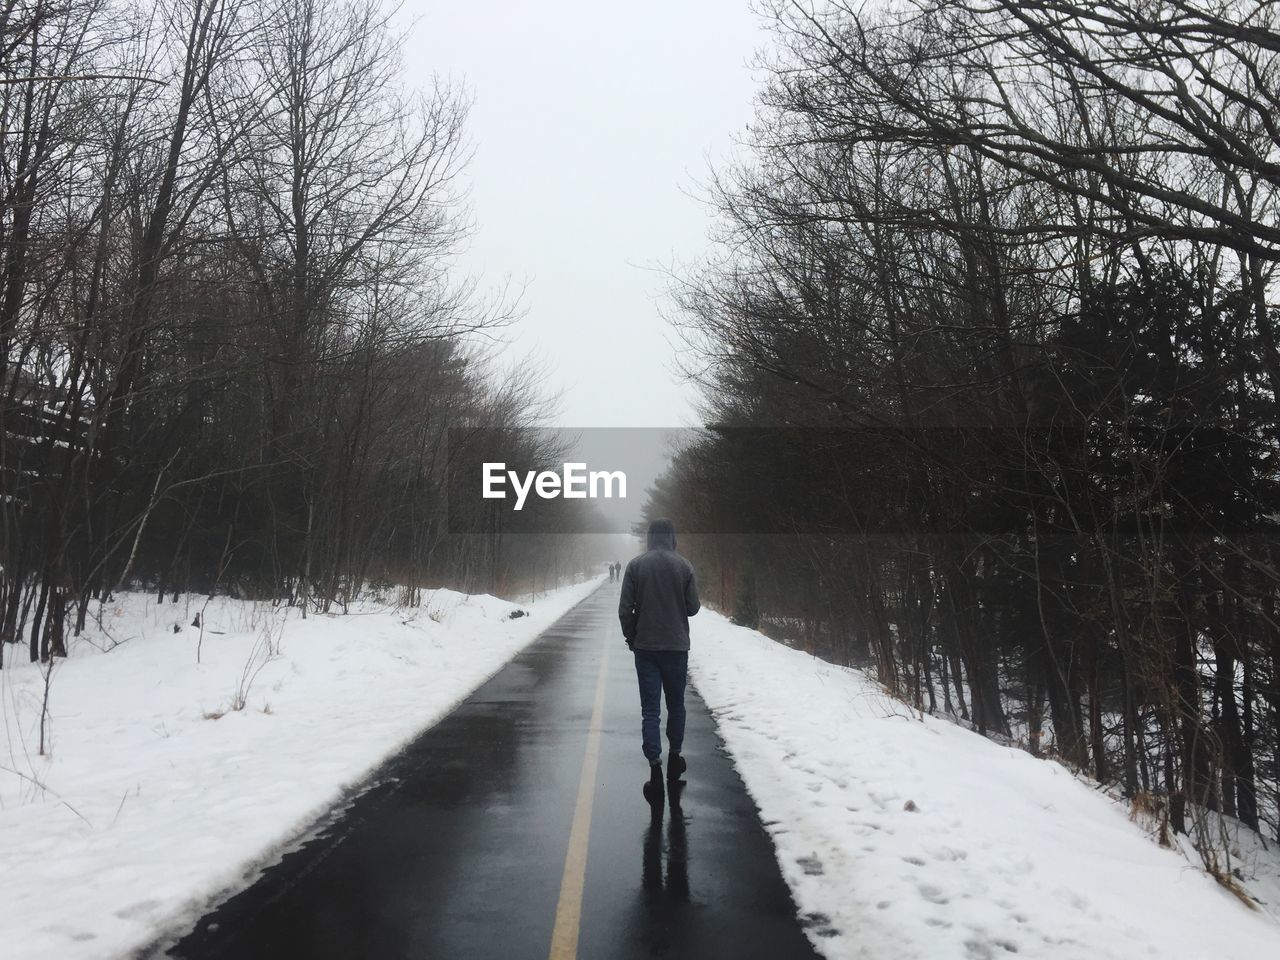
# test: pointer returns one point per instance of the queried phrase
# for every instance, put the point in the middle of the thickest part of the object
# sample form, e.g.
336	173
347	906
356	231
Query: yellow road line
564	939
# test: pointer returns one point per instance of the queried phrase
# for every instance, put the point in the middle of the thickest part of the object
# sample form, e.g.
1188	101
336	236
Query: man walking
659	595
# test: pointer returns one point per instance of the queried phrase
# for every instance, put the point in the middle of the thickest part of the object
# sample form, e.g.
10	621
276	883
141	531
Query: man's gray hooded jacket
659	595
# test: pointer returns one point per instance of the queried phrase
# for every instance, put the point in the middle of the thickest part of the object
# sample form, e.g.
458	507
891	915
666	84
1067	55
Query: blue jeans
661	671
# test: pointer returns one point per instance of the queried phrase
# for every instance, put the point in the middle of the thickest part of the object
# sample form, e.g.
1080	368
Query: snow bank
157	793
906	837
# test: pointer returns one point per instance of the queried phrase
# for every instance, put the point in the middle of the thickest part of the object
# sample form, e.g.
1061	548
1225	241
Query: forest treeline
236	346
988	347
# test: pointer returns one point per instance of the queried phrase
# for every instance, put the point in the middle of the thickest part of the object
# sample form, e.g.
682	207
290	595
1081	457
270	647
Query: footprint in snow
933	894
812	866
141	907
984	947
819	924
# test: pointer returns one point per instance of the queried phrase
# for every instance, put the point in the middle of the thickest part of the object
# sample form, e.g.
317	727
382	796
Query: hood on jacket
661	535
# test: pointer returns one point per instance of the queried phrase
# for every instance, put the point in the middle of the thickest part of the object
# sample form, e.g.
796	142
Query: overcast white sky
592	121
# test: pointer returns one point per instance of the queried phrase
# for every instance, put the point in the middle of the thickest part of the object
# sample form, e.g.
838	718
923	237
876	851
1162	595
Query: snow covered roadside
908	837
157	793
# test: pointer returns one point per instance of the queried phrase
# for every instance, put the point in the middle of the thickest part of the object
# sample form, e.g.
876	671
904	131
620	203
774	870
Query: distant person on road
659	595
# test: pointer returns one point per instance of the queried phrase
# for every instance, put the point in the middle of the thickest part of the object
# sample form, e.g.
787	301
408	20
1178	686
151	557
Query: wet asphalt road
458	847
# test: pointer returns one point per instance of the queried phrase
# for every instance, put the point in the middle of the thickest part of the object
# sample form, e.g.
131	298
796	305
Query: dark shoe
653	787
675	766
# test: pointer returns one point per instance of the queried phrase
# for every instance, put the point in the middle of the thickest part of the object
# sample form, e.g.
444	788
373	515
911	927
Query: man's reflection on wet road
674	887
